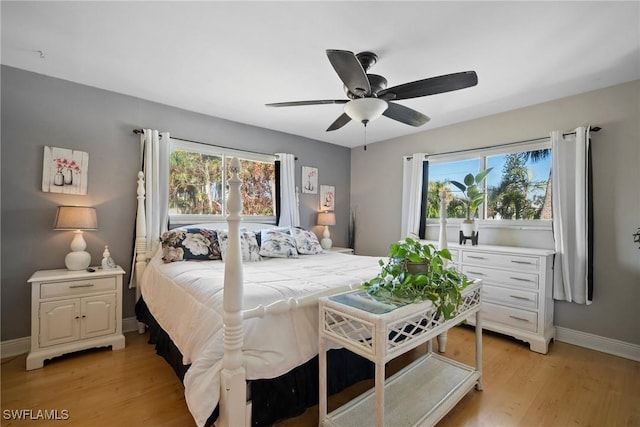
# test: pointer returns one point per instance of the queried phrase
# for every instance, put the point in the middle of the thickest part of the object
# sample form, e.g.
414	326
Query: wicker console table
421	393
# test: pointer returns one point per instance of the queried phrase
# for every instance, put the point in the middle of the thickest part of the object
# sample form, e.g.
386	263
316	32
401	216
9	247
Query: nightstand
341	250
74	310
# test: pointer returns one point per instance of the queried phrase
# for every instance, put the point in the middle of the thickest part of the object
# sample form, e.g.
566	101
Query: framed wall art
64	171
327	197
309	180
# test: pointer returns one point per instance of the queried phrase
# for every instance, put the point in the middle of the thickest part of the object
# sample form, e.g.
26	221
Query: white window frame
225	153
483	153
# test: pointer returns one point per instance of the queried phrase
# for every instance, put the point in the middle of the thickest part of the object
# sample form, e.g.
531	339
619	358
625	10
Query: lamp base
326	243
77	260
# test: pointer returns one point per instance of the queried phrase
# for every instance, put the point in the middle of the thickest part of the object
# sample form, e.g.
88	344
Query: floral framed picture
327	198
309	180
64	171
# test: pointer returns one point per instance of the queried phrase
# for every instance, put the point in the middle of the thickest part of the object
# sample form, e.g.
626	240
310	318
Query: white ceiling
227	59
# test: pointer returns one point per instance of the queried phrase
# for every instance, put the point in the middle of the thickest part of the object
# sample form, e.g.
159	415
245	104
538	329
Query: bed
242	332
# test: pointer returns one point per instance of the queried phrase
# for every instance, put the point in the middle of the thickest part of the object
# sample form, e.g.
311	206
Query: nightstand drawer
521	319
513	297
501	277
75	287
516	262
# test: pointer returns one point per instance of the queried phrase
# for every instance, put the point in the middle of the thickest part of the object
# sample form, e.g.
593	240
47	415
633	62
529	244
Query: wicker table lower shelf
421	393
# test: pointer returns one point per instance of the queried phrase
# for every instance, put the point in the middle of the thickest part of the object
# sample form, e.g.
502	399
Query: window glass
198	188
518	187
195	184
440	177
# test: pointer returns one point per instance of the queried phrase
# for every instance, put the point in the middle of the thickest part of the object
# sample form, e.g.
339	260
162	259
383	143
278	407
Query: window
198	186
518	187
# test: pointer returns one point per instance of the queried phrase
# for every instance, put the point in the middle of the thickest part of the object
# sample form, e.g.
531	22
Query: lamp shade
365	109
326	218
76	218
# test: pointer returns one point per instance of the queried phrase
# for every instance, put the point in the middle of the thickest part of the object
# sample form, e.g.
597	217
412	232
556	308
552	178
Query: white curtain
289	211
571	221
411	194
154	149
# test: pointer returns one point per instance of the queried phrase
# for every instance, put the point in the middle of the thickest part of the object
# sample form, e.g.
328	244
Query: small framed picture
327	197
64	171
309	180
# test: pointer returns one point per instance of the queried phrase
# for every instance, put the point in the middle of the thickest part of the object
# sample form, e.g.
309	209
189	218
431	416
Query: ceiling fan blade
405	115
340	121
430	86
301	103
350	71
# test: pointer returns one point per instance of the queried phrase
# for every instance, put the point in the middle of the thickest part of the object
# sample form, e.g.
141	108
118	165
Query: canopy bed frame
234	407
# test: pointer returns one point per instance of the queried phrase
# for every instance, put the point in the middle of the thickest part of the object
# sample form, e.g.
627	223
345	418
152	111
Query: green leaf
482	175
469	179
462	187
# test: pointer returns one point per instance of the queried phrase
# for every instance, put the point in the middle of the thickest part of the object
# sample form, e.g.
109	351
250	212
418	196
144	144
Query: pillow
277	244
306	241
248	245
259	232
190	244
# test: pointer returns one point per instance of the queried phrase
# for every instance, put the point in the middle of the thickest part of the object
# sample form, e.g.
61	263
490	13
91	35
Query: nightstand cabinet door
59	322
98	316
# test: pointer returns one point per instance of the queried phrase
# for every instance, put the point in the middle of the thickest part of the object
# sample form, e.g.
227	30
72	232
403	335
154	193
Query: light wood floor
570	386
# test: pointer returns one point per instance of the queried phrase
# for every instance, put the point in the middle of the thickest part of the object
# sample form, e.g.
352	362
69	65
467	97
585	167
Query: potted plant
473	199
417	272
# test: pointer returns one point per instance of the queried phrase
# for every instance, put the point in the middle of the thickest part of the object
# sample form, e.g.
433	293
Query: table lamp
326	219
77	218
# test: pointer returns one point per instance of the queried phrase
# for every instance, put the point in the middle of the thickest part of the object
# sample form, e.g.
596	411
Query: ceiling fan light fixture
365	109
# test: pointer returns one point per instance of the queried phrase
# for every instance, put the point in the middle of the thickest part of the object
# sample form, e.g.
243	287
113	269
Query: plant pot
469	230
417	268
469	227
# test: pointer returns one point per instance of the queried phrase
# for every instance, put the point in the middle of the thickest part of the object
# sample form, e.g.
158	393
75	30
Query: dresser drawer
513	297
501	277
507	261
76	287
521	319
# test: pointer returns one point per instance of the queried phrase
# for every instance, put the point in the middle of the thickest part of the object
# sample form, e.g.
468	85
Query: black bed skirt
273	399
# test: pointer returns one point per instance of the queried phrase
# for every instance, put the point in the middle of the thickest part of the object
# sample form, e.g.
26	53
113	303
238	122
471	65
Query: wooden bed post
141	241
233	393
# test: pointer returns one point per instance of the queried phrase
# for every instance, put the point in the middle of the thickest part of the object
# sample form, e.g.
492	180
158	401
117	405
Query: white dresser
74	310
517	291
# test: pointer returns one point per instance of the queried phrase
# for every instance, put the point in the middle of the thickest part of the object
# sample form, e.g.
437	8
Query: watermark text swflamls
36	414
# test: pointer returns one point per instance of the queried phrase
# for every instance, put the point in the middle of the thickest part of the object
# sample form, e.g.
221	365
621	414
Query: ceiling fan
369	97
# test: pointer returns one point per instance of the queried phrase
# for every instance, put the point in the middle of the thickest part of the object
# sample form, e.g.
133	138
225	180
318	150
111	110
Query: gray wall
39	110
616	170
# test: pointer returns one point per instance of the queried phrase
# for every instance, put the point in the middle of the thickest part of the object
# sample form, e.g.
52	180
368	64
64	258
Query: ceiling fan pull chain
365	137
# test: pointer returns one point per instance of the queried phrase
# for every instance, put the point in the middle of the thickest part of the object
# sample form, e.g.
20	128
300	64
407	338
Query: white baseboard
10	348
627	350
598	343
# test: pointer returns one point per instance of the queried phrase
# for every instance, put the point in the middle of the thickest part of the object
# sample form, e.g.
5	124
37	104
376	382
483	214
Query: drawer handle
88	285
521	279
522	262
475	272
519	318
519	297
475	257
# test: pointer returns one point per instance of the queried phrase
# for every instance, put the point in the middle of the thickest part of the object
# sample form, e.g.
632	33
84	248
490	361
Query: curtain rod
593	129
139	131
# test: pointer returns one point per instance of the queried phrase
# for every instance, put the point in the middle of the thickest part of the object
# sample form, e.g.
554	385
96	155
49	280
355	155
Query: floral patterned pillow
248	245
190	244
277	244
306	241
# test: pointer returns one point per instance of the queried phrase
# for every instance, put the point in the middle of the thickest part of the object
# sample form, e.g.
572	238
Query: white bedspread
186	300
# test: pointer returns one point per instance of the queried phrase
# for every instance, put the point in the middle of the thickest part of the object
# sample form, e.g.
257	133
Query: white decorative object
326	219
420	394
76	218
107	261
74	310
